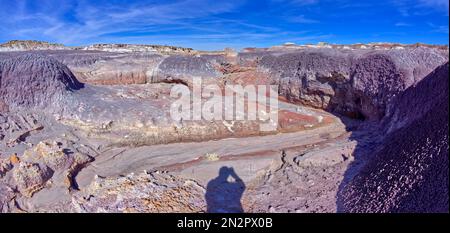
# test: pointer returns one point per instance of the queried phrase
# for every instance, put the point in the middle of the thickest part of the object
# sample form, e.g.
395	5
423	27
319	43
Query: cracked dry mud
359	130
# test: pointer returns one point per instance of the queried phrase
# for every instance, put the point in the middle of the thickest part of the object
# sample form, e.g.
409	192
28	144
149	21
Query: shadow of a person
223	196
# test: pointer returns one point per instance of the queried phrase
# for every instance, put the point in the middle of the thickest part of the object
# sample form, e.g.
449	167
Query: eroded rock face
33	80
356	83
374	81
107	68
183	67
299	75
154	193
116	68
410	172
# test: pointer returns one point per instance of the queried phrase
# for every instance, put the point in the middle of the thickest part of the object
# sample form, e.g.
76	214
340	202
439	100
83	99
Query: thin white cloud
181	22
440	5
296	2
439	28
302	19
421	7
93	21
305	2
402	24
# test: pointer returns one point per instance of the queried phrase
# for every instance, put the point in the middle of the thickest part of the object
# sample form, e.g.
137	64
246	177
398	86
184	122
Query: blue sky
214	24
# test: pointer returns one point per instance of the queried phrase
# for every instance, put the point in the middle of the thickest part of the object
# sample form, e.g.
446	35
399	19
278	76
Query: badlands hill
361	128
32	80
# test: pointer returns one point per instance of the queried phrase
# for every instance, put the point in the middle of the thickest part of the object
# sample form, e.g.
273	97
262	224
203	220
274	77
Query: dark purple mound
34	80
410	173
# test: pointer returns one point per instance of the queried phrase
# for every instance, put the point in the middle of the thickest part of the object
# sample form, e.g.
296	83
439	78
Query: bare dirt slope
410	173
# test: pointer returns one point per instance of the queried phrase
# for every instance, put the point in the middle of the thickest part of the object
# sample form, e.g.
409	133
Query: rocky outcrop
143	193
55	156
410	172
31	177
50	167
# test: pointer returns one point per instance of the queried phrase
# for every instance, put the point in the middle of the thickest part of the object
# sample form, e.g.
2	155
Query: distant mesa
289	44
25	45
29	45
